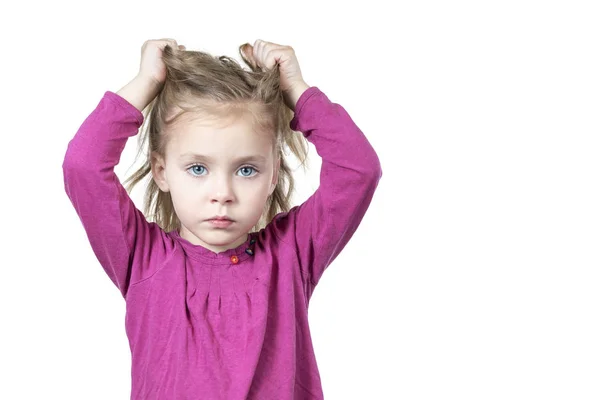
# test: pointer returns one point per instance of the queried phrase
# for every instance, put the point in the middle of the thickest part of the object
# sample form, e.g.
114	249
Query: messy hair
200	85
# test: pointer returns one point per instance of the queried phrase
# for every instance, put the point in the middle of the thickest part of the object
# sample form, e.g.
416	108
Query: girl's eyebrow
250	157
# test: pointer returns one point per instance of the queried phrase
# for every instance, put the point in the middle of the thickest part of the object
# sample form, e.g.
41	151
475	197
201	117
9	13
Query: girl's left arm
321	226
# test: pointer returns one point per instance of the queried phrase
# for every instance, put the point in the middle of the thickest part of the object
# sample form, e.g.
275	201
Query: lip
220	223
223	218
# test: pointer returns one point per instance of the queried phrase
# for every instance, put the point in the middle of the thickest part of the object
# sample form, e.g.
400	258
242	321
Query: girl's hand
267	55
151	65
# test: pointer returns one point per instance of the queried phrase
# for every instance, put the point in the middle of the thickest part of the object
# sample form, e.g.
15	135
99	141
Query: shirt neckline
230	256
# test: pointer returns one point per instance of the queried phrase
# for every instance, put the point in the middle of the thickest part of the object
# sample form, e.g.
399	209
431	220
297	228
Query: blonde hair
200	84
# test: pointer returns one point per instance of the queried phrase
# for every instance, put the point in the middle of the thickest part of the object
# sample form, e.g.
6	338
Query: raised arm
321	226
126	245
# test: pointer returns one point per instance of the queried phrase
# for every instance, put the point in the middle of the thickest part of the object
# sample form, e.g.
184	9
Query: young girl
217	288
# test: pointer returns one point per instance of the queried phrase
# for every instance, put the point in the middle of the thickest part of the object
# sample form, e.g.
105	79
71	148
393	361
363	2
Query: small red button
234	259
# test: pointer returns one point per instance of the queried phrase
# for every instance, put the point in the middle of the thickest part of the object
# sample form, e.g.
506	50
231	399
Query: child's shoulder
282	226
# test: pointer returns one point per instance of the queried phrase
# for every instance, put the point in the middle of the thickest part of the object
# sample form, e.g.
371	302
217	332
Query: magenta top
230	325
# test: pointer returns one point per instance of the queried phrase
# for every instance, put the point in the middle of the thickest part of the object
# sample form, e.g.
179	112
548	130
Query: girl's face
215	170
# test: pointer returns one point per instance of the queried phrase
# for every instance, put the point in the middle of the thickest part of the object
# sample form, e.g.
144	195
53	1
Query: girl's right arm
126	245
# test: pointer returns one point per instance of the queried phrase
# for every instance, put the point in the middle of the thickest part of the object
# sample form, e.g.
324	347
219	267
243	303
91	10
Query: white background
475	272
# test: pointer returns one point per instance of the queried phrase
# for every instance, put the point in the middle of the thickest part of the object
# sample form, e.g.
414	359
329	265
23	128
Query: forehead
218	140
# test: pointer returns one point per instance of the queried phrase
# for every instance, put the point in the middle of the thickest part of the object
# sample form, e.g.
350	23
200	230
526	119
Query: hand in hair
152	65
267	55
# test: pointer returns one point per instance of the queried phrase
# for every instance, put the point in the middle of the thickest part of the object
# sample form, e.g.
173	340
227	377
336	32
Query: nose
222	191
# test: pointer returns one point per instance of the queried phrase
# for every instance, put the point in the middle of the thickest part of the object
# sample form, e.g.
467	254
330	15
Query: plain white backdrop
475	272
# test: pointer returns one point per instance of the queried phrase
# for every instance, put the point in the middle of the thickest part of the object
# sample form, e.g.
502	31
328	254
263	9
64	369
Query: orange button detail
234	259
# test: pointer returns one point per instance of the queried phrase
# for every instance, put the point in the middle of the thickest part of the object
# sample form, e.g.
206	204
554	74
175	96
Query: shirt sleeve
127	246
321	226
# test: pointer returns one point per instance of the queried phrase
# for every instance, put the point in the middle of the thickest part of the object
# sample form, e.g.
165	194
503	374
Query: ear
158	166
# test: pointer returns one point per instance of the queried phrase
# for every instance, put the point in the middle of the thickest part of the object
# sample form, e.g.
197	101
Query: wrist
140	91
296	93
147	81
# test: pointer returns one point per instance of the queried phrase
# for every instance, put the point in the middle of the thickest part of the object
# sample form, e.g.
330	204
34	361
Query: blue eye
194	166
246	167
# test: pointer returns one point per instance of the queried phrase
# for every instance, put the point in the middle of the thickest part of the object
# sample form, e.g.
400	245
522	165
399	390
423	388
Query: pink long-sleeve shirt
231	325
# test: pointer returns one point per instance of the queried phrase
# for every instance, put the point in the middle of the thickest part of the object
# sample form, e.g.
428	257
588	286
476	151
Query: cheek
180	179
183	189
260	188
